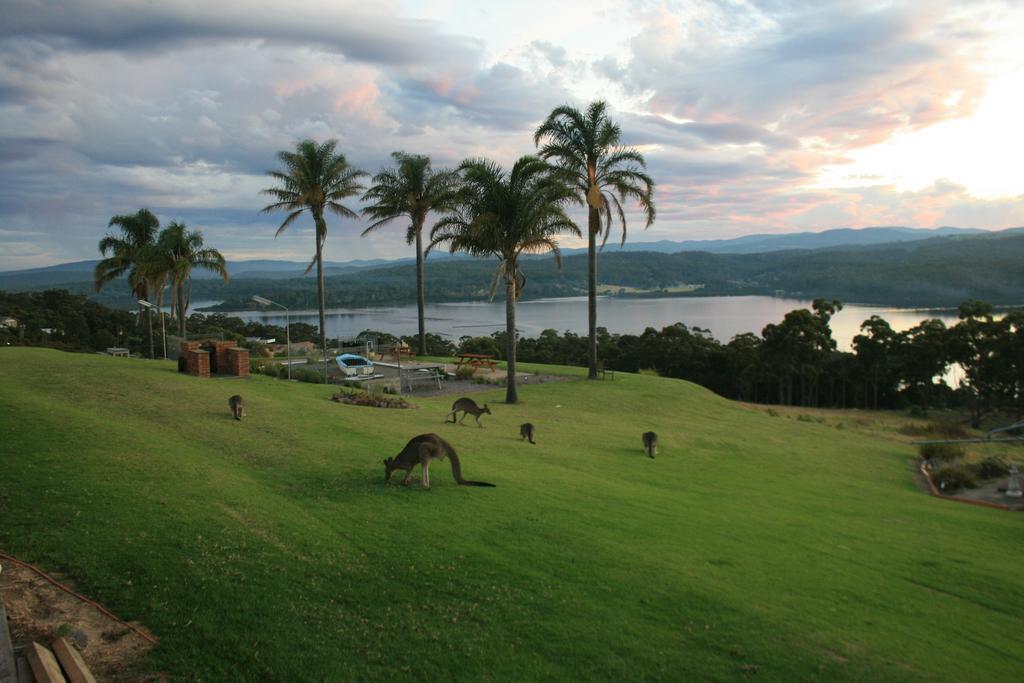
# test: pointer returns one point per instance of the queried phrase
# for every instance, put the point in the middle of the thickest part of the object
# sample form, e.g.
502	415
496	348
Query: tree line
796	362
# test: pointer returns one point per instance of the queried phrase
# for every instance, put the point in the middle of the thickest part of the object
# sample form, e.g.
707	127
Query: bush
649	372
464	372
374	400
938	430
307	375
917	411
272	370
990	468
949	478
940	452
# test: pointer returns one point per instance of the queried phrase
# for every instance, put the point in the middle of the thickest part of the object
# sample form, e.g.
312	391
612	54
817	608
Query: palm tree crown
127	254
316	179
506	215
413	189
585	147
178	250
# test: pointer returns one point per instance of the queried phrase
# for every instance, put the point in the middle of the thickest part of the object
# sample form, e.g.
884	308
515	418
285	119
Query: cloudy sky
754	115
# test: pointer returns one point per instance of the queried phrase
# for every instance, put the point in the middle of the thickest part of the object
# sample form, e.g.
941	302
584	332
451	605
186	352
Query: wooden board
44	665
8	667
74	666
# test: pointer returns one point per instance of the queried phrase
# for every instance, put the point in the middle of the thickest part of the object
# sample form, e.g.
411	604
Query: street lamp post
163	332
287	327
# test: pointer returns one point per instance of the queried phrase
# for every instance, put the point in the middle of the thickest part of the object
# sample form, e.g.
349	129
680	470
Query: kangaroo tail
457	469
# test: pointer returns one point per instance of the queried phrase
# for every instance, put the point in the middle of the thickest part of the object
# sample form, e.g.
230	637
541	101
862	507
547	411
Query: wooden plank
44	665
8	667
72	662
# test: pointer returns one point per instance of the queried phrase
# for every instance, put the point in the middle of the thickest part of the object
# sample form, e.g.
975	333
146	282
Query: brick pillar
238	362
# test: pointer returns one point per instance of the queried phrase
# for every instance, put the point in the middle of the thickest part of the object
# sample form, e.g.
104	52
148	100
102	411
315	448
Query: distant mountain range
267	269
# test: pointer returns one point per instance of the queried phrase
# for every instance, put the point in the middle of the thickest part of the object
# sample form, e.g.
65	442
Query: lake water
725	316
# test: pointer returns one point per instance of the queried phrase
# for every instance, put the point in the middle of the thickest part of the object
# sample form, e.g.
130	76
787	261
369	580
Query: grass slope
271	549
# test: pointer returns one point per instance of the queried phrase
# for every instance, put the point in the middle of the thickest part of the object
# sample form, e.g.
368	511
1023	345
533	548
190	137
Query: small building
8	322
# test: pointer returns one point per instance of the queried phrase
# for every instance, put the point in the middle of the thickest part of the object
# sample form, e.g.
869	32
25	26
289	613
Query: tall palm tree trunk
511	395
149	327
594	227
419	290
321	230
180	296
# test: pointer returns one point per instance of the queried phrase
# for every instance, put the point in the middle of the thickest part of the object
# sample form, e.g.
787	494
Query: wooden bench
603	372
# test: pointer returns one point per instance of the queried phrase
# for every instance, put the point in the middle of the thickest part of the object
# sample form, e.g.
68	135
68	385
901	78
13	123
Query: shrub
464	372
650	372
939	430
375	400
940	452
307	375
917	411
990	468
949	478
272	370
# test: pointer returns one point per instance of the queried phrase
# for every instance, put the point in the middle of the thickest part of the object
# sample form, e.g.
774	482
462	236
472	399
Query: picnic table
476	360
420	373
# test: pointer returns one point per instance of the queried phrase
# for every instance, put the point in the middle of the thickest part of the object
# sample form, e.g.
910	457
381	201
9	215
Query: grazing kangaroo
421	450
468	407
526	432
237	404
650	444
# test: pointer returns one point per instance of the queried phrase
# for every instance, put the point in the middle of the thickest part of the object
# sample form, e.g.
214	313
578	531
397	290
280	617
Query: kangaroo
526	432
650	444
467	406
421	450
237	404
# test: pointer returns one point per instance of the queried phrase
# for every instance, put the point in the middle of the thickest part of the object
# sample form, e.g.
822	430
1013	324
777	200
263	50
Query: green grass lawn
271	549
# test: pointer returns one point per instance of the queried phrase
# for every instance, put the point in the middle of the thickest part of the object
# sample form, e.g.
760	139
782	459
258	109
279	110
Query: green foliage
990	468
936	430
940	452
373	399
951	478
464	371
480	345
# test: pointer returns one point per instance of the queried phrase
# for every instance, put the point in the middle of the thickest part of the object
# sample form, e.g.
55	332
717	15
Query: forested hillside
942	271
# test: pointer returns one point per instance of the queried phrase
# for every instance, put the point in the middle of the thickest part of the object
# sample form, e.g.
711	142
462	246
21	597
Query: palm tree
126	254
315	179
413	190
586	147
505	215
178	250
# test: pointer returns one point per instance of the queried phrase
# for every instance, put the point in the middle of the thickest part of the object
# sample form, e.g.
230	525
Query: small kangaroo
650	444
237	404
526	432
421	450
467	406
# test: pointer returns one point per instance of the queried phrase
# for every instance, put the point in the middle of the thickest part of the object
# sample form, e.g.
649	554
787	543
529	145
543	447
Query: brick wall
197	362
237	362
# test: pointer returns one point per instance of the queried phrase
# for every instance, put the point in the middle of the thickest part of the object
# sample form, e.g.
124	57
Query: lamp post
287	327
163	333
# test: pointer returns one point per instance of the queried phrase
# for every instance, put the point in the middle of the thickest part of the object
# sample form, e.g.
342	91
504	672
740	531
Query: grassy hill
271	549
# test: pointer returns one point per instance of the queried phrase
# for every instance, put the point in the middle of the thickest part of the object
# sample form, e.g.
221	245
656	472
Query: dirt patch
39	611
